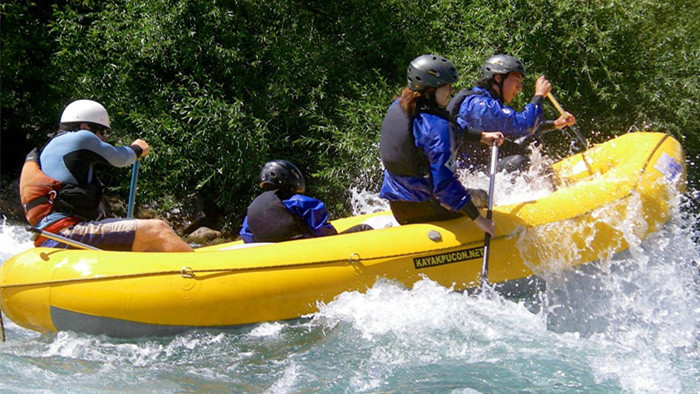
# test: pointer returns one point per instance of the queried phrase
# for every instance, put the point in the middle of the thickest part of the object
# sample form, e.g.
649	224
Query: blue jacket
482	112
310	210
437	138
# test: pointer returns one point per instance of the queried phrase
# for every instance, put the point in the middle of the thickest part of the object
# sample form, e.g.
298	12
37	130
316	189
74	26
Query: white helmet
85	111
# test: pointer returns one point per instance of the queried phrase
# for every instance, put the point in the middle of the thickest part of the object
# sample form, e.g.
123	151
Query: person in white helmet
61	194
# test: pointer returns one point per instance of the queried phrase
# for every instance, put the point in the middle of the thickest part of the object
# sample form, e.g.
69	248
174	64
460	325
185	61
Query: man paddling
483	108
61	194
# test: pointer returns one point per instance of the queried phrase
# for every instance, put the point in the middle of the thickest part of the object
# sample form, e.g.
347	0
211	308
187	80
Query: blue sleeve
483	113
64	158
436	137
313	212
118	156
245	233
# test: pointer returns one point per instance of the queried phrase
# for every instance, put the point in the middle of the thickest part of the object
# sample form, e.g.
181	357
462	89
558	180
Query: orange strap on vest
37	191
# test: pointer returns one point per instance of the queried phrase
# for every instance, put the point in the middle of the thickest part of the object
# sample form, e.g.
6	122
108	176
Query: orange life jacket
36	189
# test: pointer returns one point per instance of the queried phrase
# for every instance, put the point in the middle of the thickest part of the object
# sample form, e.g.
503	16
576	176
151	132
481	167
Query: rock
203	235
10	206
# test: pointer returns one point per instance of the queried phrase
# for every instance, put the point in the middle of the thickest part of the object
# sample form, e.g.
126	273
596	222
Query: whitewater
627	323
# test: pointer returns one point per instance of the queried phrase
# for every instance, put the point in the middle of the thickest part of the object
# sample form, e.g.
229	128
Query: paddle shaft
2	328
62	239
556	104
132	189
489	213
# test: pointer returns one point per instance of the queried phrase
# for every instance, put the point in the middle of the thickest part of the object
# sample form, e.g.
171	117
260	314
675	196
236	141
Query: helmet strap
499	93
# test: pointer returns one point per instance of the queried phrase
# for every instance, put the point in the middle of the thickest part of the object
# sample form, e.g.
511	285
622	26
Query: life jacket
397	146
37	191
456	102
40	194
270	221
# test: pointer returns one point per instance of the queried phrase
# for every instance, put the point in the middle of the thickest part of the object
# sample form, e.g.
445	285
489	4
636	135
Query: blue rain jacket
437	137
482	112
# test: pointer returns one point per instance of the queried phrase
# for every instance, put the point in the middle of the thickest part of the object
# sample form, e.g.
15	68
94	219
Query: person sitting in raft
419	149
282	212
482	108
61	194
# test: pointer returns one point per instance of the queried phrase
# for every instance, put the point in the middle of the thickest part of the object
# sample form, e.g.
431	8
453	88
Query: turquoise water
630	323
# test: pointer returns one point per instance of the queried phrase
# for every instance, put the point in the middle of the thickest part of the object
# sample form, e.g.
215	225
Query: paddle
132	189
62	239
489	214
2	328
574	128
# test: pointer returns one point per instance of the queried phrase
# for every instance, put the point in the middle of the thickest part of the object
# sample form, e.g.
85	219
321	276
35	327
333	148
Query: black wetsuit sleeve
546	125
470	210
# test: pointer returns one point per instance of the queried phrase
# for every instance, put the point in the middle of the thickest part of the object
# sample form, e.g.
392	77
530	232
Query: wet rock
203	235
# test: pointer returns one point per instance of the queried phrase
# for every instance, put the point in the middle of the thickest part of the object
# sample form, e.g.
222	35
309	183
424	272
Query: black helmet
430	70
282	174
502	64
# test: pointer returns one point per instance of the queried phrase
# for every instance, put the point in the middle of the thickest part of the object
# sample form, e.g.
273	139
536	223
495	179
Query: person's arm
563	121
435	136
313	212
483	113
117	156
245	233
437	141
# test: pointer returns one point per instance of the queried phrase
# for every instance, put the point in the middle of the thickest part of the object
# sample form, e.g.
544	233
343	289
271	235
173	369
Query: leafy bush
220	87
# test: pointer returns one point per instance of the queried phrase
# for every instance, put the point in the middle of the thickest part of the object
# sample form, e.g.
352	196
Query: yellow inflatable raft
630	178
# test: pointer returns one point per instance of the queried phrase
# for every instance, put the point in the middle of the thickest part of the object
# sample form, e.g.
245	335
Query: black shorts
407	212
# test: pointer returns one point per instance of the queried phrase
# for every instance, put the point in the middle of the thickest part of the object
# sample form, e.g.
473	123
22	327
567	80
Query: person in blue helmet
419	149
483	108
282	213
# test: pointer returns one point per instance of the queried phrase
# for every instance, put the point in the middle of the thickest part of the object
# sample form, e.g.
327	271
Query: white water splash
13	240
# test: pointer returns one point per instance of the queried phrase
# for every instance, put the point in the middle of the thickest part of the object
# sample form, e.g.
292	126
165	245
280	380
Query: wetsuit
69	158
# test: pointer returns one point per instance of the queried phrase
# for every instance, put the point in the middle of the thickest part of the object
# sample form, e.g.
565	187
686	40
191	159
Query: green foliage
220	87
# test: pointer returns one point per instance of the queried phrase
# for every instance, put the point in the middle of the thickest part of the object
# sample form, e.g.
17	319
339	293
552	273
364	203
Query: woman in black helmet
418	147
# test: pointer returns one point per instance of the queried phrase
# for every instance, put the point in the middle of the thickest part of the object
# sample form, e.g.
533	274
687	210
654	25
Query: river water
630	323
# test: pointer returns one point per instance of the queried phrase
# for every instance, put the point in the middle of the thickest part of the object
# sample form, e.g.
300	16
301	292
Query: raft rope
187	272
